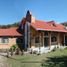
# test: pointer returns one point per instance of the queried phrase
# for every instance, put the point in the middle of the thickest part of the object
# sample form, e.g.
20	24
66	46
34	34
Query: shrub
13	47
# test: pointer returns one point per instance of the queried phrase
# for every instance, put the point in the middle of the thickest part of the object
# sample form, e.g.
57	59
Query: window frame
4	40
38	41
46	33
54	38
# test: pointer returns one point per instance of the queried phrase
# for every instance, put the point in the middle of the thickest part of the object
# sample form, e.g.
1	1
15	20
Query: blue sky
14	10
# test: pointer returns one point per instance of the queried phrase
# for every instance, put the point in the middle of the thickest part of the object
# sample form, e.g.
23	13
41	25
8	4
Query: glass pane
5	40
53	39
37	40
45	33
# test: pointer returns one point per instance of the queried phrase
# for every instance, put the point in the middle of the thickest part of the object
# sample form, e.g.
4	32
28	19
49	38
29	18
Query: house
9	37
37	33
34	34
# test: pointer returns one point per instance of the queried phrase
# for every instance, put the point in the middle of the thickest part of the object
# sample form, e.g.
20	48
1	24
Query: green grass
55	59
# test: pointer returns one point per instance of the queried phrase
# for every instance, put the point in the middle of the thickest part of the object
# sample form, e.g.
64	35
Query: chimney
29	17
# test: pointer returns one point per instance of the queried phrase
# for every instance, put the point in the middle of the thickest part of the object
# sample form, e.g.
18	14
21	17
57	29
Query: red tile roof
10	32
48	26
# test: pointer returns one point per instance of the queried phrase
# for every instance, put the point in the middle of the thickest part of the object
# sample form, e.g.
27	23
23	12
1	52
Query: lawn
56	58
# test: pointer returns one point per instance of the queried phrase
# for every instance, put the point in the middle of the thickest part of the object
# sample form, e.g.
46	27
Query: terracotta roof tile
9	32
48	26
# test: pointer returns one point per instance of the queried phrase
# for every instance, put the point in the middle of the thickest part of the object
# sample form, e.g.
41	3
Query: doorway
19	42
46	41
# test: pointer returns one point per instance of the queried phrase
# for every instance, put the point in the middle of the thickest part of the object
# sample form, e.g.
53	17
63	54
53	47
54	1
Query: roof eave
51	30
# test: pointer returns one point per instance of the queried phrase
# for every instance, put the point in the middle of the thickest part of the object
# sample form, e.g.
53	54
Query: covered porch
48	40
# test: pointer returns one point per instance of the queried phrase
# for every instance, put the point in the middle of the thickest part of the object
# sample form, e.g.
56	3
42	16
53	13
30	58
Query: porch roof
48	26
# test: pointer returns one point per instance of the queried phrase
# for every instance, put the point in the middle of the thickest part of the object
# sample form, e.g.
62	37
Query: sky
12	11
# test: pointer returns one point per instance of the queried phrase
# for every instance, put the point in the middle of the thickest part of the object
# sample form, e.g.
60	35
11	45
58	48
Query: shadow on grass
55	62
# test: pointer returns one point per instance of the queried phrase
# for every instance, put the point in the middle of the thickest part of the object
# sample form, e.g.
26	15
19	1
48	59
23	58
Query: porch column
64	39
58	38
49	40
40	39
43	39
39	42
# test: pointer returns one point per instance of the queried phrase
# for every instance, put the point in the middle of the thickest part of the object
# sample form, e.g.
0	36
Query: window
53	39
4	40
19	40
37	39
45	33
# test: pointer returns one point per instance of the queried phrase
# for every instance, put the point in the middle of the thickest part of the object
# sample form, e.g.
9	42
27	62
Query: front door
46	41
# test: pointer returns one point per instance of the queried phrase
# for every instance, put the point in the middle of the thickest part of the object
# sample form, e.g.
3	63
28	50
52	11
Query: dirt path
3	61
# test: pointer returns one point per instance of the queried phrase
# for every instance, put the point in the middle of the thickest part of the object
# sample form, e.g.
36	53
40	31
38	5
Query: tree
16	24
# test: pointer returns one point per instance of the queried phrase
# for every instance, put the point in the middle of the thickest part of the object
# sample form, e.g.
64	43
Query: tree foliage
16	24
64	23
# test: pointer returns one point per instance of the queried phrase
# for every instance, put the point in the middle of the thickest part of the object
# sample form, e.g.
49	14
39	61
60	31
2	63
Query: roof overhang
51	30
